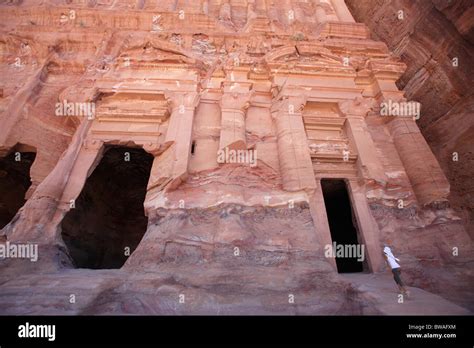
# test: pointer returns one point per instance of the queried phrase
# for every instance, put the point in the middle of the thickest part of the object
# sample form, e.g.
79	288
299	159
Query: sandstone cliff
436	40
133	210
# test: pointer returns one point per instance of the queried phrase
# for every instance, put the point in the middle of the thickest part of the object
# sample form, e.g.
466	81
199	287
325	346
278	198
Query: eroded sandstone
299	83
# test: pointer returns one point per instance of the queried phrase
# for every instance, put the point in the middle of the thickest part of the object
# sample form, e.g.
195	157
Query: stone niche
330	148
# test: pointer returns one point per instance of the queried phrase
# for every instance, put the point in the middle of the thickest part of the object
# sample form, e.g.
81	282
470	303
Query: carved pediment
154	53
304	55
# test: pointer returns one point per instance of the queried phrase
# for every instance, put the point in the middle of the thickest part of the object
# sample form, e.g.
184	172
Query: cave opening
107	221
349	254
15	181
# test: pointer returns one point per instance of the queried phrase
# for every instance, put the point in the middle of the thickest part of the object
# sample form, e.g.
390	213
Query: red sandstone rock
428	38
300	83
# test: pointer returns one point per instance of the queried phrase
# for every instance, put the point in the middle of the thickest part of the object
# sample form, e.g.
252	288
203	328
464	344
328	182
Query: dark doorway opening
15	181
108	220
343	226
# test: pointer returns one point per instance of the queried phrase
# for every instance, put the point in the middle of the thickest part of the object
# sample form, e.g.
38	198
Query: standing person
396	270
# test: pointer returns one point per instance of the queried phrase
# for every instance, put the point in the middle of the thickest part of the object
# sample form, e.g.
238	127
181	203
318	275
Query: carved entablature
259	72
387	68
153	65
58	67
130	116
379	78
132	106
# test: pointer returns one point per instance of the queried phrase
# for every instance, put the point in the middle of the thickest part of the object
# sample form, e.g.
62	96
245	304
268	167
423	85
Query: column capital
289	105
233	107
358	107
182	100
402	125
235	101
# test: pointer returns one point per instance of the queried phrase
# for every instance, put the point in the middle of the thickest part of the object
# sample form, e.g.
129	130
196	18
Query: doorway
107	221
15	181
343	226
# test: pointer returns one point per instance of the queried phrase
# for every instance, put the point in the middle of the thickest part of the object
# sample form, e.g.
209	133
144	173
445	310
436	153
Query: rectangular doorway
350	254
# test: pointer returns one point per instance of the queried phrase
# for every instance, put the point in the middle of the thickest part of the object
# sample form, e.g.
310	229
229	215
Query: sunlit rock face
180	150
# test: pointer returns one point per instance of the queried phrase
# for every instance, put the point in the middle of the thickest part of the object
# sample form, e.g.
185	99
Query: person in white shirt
393	262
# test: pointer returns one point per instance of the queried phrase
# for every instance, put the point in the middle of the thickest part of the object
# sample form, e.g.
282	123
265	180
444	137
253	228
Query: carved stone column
342	11
369	231
355	111
38	220
426	177
182	107
272	12
320	12
233	108
205	7
296	166
225	11
87	160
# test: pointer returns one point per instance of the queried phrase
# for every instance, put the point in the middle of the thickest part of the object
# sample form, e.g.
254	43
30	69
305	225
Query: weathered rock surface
435	39
216	291
296	87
